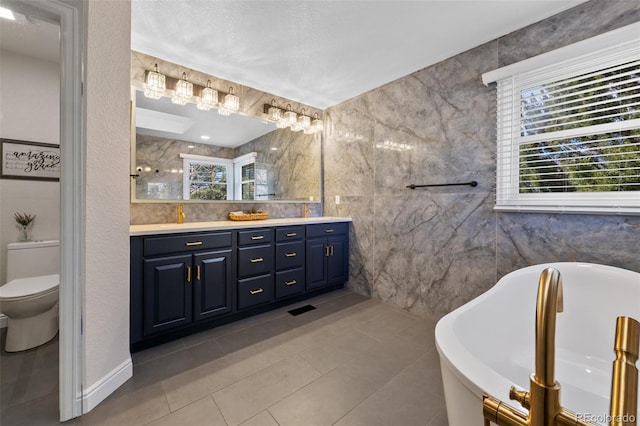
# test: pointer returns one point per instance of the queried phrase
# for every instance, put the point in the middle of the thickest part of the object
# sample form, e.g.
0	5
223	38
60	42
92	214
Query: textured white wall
29	110
106	318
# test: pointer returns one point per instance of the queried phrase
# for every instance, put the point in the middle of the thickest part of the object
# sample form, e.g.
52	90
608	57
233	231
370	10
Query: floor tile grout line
272	416
226	422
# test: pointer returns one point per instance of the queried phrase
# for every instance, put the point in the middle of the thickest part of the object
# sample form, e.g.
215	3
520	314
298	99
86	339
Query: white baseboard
97	392
3	321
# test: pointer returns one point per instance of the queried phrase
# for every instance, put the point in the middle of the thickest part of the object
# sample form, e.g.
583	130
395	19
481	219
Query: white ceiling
30	37
323	52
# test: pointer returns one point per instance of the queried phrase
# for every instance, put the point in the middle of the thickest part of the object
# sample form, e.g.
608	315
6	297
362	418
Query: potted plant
25	223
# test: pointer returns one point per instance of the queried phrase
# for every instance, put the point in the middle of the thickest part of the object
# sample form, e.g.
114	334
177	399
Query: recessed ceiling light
274	149
205	137
7	14
191	146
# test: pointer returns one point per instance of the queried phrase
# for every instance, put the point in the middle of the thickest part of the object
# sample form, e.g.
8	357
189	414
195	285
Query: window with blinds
569	135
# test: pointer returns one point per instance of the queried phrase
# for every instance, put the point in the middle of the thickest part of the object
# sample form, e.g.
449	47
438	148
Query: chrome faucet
543	399
181	215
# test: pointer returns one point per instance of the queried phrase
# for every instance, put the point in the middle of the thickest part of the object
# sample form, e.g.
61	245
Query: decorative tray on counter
248	216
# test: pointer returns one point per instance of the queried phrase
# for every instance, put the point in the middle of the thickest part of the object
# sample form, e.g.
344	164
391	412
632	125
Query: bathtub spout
543	398
549	302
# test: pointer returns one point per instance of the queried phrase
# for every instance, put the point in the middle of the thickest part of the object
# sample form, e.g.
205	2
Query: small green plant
24	219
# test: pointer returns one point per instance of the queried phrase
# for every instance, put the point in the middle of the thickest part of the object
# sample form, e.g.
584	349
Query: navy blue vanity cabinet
290	255
188	282
255	267
327	254
184	278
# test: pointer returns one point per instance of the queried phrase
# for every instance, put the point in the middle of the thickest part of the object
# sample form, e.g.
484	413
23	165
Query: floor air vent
301	310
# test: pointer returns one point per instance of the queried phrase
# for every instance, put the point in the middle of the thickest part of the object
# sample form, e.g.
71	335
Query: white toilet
29	299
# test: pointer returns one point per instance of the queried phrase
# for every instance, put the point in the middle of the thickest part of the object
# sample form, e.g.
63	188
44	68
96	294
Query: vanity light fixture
304	123
230	105
316	124
155	84
183	92
274	114
290	118
208	98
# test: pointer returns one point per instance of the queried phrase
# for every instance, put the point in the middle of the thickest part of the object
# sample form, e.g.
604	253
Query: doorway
67	19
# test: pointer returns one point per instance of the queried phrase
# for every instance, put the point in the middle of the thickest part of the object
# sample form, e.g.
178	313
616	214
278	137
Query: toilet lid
26	286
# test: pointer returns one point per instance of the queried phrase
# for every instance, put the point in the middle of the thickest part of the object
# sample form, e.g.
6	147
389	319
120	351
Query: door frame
70	16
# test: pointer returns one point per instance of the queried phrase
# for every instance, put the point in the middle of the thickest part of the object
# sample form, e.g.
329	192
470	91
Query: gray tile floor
352	361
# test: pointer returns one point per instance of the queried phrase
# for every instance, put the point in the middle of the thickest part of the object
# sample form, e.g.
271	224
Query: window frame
238	163
609	49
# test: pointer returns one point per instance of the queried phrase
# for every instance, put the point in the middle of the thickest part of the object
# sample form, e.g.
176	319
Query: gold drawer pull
292	282
291	254
292	234
328	231
257	237
256	260
258	291
193	243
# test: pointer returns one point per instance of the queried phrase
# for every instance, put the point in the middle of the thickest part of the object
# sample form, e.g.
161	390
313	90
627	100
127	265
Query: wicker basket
248	216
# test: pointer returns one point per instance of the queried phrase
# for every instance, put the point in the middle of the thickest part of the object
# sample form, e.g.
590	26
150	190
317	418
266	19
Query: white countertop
172	228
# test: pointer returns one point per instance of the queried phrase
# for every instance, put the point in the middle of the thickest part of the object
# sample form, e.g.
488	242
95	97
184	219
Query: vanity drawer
289	255
289	283
255	236
290	233
183	243
255	260
254	291
327	229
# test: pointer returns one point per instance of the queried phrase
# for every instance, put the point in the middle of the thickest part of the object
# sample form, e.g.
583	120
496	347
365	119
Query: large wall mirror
181	153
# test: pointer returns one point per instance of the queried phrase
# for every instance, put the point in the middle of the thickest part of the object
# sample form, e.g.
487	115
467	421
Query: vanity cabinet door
212	282
338	260
316	262
167	293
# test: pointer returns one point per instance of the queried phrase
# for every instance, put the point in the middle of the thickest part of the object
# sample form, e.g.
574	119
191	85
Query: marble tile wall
431	250
287	165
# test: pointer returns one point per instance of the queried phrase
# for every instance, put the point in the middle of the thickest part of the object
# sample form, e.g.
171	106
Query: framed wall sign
30	160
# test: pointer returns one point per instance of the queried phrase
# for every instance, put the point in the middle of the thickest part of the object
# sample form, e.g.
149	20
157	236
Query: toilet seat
24	288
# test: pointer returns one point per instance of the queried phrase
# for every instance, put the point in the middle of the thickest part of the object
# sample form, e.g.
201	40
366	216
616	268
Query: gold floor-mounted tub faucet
543	399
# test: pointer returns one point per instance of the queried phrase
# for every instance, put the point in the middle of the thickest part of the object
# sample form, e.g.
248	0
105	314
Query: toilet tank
33	258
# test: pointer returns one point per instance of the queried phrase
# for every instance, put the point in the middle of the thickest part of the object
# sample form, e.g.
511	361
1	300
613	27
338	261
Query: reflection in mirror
183	153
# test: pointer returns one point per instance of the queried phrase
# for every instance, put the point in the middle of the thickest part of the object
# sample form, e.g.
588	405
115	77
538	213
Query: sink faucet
305	210
181	215
543	399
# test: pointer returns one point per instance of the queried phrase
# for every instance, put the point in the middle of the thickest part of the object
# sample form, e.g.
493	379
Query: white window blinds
569	134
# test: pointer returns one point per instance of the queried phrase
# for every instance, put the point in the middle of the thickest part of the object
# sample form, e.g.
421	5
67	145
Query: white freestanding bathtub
487	345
